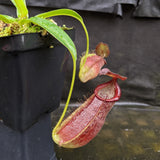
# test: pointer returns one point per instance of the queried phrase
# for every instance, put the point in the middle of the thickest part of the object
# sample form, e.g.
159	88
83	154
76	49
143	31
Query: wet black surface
131	132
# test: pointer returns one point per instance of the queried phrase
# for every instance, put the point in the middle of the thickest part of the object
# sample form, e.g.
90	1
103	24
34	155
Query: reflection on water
129	133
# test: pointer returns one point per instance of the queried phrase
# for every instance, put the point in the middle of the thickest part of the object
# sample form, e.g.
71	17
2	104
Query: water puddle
130	132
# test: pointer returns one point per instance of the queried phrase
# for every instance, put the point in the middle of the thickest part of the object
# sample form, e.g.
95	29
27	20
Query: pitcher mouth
116	88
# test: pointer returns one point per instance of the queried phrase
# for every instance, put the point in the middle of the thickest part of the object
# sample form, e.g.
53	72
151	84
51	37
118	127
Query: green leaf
67	12
61	12
56	32
7	19
22	11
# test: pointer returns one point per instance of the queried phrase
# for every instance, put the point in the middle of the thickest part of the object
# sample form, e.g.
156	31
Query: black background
131	29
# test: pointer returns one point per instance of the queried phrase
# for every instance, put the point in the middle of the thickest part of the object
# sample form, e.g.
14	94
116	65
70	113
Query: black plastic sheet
148	8
143	8
106	6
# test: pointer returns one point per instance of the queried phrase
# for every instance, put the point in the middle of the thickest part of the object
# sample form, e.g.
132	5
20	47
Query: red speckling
85	123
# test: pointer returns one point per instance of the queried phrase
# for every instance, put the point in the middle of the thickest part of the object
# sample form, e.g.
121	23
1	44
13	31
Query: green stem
68	99
70	13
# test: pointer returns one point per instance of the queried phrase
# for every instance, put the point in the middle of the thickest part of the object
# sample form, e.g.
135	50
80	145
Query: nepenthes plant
84	124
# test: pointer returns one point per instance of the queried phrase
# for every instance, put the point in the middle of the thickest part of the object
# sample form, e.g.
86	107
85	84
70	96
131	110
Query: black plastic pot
33	144
31	78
